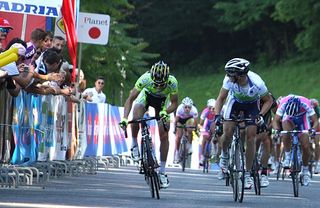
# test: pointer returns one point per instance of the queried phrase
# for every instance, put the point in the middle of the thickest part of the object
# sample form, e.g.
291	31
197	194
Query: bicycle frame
296	160
148	161
236	169
183	152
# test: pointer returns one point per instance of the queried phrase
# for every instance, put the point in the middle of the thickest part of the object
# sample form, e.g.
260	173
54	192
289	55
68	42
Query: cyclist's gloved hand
123	123
312	132
219	130
277	133
164	115
217	120
259	120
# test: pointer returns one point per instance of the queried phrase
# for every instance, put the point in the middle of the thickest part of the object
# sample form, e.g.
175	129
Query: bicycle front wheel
295	172
183	153
239	173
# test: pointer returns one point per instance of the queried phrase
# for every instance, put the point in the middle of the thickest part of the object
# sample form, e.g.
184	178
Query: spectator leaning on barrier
5	28
95	94
16	70
48	70
59	43
48	40
35	46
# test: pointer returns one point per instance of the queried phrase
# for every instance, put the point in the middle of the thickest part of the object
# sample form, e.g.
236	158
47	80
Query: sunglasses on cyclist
187	107
159	85
4	30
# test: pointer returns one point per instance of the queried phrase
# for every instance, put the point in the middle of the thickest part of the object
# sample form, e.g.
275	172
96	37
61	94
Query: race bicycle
210	150
296	159
148	162
235	173
184	144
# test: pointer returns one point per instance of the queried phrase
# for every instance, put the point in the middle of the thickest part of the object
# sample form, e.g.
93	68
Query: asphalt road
124	187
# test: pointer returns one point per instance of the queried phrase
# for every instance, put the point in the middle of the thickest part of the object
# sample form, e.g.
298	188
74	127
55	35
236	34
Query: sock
162	167
134	142
287	154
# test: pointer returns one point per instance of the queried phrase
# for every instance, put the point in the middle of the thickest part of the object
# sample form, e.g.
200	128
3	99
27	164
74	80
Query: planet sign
94	32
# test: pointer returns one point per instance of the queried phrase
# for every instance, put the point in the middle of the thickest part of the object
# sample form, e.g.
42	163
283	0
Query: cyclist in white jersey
245	88
187	114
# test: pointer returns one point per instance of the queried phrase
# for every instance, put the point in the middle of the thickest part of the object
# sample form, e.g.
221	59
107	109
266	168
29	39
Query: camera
26	69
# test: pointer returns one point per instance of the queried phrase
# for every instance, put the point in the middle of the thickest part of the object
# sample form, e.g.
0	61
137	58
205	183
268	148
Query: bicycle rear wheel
207	155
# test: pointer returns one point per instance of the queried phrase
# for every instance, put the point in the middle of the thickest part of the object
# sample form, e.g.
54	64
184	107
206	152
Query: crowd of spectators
42	69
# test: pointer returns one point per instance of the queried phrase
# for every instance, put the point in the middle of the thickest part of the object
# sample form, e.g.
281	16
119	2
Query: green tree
305	14
268	38
123	58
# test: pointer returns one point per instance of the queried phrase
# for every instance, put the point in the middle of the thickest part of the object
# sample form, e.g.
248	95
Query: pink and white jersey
207	114
183	115
305	108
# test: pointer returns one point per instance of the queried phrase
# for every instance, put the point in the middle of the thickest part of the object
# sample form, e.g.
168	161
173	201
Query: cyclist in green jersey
159	90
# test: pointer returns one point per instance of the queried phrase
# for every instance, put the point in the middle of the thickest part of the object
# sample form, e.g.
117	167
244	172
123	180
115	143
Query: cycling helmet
293	106
159	73
211	103
314	102
187	101
237	66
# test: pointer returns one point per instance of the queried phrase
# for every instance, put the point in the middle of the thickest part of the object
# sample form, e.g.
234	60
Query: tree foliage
123	58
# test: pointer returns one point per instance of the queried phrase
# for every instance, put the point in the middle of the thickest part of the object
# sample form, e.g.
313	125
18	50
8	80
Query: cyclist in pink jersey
315	105
295	112
207	125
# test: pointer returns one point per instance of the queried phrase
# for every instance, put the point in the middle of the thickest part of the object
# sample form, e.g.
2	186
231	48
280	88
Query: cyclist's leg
226	138
190	122
138	112
164	147
178	140
264	159
317	153
251	132
287	125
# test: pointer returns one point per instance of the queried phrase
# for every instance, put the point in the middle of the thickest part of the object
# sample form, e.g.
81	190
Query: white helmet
211	103
187	101
237	66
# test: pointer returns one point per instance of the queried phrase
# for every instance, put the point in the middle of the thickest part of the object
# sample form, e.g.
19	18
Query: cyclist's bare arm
128	104
174	103
276	123
315	121
220	100
267	103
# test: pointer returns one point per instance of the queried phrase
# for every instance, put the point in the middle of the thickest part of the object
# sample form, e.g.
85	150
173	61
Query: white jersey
255	88
193	113
96	97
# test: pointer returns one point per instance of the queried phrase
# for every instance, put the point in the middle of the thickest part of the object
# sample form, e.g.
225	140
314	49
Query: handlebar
186	127
238	120
142	120
296	132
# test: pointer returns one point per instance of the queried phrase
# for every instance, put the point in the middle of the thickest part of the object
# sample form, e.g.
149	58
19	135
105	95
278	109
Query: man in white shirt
95	94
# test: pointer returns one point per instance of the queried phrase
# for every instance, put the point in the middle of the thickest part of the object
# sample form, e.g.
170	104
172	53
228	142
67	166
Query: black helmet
293	106
237	66
159	73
